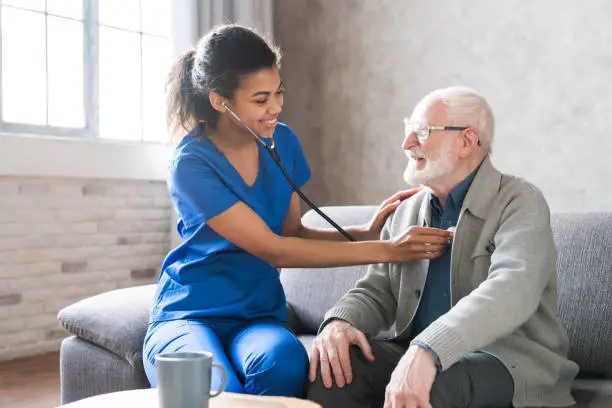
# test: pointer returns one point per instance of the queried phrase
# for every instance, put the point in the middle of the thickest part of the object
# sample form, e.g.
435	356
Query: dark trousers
478	380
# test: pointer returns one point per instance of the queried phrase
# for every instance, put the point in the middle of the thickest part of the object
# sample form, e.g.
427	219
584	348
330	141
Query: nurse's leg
269	359
188	335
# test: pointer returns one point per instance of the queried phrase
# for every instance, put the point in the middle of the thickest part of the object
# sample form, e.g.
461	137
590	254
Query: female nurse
239	219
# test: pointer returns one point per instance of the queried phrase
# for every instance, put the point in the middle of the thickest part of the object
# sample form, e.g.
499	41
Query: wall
64	239
354	69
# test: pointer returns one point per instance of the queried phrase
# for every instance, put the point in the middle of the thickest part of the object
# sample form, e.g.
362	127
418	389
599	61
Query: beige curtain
192	18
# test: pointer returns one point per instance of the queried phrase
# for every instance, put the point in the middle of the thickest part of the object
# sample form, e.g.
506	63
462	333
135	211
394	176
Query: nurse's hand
419	243
386	208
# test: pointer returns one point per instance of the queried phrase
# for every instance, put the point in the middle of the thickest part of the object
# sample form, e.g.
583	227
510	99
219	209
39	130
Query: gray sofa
104	355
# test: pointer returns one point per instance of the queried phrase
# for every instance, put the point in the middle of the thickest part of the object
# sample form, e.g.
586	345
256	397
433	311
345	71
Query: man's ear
217	102
470	141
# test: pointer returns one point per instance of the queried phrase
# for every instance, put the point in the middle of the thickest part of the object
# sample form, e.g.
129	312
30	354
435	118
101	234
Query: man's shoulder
491	182
517	195
494	196
518	188
408	212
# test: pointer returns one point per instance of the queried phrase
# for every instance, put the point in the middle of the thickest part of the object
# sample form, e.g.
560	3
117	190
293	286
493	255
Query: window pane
65	48
156	17
156	60
120	13
66	8
119	84
23	67
38	5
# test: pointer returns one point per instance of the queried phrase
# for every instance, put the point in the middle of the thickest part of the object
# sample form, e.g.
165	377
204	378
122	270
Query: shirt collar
454	200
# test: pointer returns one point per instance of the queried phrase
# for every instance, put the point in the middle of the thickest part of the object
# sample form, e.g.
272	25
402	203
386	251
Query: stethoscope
271	149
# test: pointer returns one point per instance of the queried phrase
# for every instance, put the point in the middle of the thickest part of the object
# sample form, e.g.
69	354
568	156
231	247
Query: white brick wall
62	240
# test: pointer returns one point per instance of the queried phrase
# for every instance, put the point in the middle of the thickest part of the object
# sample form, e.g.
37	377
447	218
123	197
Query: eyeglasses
423	131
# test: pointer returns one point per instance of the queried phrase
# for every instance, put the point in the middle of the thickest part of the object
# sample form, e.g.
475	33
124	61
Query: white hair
466	107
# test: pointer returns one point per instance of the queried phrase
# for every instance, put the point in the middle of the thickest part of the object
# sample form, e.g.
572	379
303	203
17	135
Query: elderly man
476	327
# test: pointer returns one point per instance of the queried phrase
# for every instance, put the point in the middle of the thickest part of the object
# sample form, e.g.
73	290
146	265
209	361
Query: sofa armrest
116	321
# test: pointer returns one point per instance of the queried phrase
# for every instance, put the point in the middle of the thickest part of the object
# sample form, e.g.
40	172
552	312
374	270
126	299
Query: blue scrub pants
261	358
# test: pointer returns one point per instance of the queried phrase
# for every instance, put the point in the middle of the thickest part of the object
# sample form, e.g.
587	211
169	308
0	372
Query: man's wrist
430	351
332	320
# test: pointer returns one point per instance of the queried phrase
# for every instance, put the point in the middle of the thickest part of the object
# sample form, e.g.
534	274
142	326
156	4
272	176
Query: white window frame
90	84
49	151
45	155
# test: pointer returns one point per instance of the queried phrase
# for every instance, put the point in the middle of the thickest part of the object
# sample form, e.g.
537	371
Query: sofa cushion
584	269
311	291
307	340
116	320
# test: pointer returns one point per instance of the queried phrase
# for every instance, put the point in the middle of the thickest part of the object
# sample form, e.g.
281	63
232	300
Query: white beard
434	168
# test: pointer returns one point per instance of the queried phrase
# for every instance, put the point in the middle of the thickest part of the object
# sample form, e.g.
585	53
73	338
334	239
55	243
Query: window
84	68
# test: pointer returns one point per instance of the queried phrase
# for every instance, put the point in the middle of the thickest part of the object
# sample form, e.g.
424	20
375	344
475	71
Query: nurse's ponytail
217	64
181	99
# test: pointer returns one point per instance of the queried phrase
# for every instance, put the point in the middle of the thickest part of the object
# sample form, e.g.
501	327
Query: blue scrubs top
207	276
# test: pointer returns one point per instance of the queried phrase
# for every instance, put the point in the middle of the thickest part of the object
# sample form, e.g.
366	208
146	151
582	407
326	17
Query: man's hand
385	209
331	347
411	381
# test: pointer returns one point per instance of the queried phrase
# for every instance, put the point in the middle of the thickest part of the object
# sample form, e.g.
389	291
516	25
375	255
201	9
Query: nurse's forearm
360	233
292	252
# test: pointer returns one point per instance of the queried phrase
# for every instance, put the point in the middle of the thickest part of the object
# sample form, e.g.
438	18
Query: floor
31	382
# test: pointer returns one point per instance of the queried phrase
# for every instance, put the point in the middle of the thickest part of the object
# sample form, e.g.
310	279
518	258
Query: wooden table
148	399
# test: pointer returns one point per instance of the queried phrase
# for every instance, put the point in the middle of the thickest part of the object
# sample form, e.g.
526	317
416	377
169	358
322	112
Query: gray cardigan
503	284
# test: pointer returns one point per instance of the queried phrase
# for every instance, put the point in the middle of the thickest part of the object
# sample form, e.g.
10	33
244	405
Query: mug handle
223	381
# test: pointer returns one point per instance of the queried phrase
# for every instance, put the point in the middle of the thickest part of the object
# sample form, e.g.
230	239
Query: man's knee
316	391
334	395
330	397
358	359
477	380
451	388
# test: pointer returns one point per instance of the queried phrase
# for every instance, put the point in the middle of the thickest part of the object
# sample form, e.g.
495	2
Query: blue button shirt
436	296
207	276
